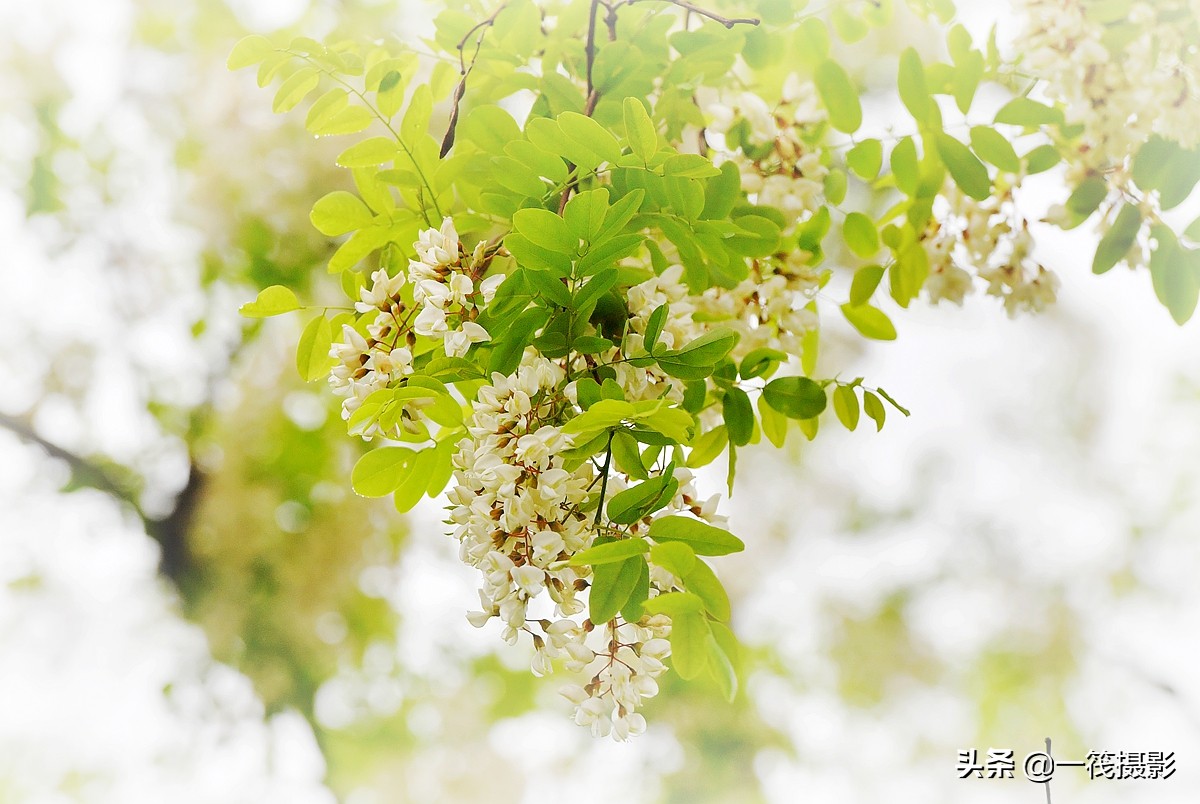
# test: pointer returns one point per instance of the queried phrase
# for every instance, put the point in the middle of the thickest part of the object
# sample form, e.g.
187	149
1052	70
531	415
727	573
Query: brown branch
169	531
465	71
83	470
712	15
590	50
593	94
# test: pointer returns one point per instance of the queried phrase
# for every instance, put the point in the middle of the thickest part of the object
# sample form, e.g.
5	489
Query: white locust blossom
444	283
383	356
989	239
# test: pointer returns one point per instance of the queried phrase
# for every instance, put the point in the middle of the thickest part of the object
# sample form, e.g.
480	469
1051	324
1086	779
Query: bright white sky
1017	516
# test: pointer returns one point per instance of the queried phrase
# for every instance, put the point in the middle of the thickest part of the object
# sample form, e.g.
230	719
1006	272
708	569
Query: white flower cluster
780	165
444	285
625	668
1122	79
768	308
643	299
966	238
627	676
519	510
515	509
518	518
365	365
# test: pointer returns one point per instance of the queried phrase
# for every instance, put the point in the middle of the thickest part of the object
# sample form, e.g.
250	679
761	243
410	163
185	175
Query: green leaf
333	114
811	232
295	88
995	148
861	235
675	424
654	327
543	228
490	127
795	397
721	192
698	359
689	166
720	664
839	95
381	471
1085	199
774	423
274	300
415	124
1165	166
640	130
590	134
530	255
444	467
761	361
865	159
340	212
610	552
641	500
845	405
871	322
416	480
607	251
675	604
312	352
739	416
1119	238
369	153
689	644
874	409
612	586
624	447
705	539
866	280
891	401
965	168
507	353
551	288
633	610
248	51
1041	159
598	285
585	212
676	558
836	185
913	90
1175	272
905	168
756	235
708	446
703	582
1028	113
603	415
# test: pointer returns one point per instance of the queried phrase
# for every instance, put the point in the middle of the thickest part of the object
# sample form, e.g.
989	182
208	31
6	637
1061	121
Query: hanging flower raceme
561	316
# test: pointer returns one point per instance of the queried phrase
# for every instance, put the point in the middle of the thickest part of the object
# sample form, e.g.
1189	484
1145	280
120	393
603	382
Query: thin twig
703	12
593	95
590	50
604	478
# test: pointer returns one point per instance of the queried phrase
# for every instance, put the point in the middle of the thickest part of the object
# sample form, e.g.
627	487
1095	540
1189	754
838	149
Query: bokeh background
194	607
